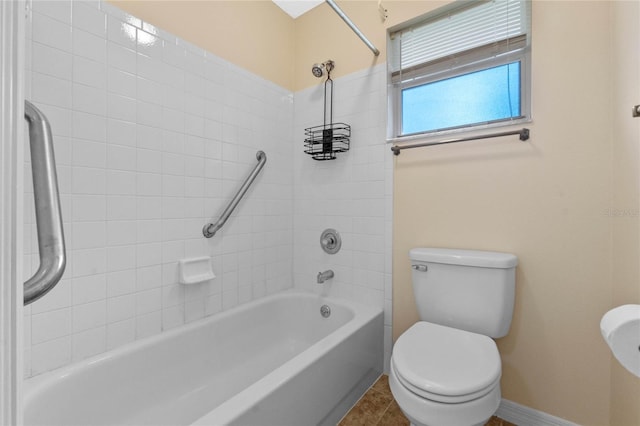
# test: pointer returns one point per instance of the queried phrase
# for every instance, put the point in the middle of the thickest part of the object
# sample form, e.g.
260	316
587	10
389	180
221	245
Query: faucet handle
330	241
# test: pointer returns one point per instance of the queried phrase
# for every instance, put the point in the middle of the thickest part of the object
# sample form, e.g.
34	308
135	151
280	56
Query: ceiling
296	8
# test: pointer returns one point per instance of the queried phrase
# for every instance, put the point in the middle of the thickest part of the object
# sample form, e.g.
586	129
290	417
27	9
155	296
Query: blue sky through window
481	96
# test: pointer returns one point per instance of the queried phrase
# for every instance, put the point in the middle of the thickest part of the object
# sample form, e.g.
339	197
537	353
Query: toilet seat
445	364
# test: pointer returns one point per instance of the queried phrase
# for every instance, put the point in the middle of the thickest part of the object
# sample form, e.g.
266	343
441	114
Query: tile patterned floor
378	408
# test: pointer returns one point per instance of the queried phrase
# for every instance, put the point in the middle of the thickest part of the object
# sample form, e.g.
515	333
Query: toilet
445	369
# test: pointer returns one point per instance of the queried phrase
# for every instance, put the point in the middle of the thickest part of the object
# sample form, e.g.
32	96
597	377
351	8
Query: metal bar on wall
523	133
210	229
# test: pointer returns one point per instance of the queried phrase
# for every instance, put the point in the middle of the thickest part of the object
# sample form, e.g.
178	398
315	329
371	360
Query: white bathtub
275	361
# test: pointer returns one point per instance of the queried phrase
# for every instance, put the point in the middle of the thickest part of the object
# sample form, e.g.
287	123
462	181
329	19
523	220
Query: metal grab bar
524	135
351	25
47	203
210	229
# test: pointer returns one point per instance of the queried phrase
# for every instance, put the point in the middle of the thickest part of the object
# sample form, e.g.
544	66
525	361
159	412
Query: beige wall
269	43
256	35
322	35
546	201
625	388
320	31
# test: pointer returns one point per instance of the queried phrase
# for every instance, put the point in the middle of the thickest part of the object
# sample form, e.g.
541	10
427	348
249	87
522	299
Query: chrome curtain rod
210	229
523	133
351	25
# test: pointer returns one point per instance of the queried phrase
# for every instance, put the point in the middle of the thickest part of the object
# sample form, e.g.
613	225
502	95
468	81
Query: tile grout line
383	413
369	391
383	393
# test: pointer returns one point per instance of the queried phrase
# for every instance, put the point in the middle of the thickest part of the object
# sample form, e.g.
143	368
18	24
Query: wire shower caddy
325	141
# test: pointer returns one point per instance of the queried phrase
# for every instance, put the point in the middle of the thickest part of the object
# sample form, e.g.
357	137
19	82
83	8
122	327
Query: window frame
483	58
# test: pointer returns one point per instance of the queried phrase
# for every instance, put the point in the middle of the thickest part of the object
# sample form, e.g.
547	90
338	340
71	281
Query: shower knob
330	241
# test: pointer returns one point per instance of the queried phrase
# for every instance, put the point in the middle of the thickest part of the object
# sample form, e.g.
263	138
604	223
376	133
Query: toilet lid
446	364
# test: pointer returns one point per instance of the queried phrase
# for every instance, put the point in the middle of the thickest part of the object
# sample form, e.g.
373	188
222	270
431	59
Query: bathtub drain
325	311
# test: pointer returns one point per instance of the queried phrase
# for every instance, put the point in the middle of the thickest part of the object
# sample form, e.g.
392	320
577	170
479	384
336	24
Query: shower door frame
12	52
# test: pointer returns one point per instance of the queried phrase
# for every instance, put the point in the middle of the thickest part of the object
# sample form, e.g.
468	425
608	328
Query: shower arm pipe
47	205
210	229
351	25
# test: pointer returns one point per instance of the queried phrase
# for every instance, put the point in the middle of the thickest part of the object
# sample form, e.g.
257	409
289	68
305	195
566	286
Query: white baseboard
524	416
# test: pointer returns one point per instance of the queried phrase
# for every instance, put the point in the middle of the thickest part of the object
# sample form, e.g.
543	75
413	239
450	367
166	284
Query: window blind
459	34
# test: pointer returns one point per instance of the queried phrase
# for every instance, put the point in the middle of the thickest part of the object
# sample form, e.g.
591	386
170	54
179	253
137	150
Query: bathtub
274	361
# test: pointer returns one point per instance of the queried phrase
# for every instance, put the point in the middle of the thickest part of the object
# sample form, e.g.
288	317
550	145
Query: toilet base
424	412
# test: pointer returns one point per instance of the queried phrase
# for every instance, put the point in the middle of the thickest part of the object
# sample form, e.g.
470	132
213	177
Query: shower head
319	69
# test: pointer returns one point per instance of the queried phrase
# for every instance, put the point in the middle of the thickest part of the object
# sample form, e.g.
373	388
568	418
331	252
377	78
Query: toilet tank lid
484	259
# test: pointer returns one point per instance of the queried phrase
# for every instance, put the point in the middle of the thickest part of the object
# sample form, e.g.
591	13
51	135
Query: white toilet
445	369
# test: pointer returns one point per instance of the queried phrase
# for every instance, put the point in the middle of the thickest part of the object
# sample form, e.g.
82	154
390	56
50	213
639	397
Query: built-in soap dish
195	270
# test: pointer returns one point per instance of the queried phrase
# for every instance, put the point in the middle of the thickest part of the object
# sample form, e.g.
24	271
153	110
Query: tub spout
323	276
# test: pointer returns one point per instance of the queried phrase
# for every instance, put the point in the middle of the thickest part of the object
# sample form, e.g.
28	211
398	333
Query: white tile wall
352	194
153	137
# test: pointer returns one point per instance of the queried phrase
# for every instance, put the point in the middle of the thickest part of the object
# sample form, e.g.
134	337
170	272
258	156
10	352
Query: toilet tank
465	289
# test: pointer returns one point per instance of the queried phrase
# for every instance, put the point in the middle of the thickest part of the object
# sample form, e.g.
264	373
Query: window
460	68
